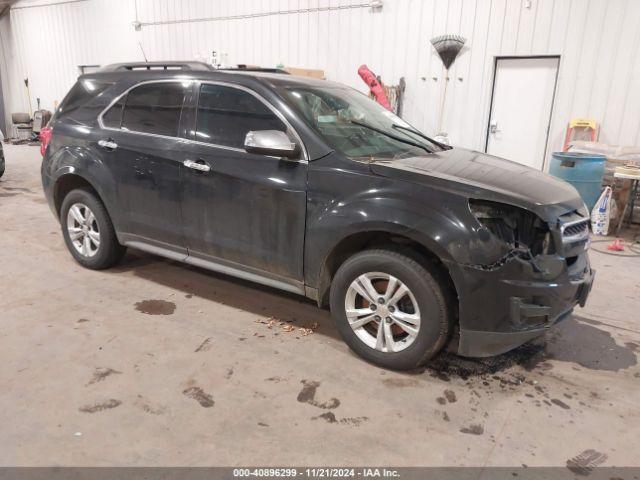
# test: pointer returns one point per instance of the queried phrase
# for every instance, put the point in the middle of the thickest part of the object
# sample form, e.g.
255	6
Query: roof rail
137	66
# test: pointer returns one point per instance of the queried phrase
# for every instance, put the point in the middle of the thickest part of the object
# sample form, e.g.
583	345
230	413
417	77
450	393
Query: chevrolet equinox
311	187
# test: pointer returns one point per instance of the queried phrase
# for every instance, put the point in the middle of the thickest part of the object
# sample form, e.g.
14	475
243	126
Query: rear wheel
88	231
390	309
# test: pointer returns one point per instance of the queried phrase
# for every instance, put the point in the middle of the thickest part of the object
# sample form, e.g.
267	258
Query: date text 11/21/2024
316	472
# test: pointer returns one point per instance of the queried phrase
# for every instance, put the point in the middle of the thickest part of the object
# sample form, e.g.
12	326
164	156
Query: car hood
484	176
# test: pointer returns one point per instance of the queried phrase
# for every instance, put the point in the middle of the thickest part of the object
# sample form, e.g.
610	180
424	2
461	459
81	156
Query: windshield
357	126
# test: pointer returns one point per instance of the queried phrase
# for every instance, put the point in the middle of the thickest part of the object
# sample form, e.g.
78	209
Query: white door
523	92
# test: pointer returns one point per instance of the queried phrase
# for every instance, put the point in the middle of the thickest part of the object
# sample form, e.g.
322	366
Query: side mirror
270	142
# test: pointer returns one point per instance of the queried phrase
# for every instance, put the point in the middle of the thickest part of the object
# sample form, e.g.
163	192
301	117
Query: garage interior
157	363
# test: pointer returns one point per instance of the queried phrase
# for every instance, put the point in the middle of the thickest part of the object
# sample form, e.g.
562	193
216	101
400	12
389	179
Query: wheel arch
67	182
424	252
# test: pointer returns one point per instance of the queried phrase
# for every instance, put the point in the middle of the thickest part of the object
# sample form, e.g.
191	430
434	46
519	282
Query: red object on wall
374	85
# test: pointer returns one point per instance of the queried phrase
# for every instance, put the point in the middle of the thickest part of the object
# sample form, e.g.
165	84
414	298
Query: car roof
201	71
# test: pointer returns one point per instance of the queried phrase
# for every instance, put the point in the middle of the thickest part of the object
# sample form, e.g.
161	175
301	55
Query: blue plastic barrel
582	170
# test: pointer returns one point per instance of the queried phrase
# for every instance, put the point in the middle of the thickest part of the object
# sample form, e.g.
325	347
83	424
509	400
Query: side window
227	114
154	108
112	118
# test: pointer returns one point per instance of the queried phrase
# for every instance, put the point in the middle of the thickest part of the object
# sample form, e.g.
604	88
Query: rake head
448	47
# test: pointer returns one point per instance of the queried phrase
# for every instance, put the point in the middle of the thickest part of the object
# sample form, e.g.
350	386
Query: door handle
199	165
493	127
108	144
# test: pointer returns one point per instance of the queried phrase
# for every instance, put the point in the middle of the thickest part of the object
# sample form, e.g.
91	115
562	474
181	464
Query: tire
102	250
406	351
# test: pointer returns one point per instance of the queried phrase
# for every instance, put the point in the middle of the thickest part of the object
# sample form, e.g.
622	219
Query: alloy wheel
382	311
83	230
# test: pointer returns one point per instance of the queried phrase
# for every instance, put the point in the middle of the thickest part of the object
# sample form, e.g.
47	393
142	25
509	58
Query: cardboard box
305	72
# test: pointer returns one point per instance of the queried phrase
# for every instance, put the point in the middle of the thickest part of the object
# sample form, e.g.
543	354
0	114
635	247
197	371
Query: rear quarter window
112	118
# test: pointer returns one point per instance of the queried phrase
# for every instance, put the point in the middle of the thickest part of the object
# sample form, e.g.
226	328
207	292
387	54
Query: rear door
247	211
144	149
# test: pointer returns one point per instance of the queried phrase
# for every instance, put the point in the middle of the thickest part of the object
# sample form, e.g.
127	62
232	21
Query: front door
240	210
145	153
523	94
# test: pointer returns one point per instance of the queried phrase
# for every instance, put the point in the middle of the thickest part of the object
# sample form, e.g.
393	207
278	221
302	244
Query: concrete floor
156	363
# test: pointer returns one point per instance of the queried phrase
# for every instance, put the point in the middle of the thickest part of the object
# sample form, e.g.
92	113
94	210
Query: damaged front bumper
504	307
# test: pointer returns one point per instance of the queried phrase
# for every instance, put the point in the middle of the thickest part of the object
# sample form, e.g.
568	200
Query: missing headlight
517	227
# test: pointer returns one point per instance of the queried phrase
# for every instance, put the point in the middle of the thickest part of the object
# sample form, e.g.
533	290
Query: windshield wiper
420	134
387	134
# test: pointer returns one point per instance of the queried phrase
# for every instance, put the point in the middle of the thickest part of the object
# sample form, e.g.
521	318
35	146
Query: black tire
109	252
431	297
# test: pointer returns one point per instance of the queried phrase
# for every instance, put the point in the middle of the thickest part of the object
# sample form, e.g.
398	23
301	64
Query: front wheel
390	309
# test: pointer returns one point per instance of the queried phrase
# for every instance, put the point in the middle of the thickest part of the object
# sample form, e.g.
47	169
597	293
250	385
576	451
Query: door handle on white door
201	167
108	144
493	127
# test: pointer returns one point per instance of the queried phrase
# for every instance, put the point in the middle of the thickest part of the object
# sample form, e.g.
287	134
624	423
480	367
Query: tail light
45	137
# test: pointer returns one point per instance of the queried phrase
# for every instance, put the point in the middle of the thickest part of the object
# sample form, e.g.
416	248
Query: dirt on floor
155	363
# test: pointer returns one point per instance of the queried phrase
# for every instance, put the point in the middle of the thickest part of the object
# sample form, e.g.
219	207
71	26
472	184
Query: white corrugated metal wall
598	41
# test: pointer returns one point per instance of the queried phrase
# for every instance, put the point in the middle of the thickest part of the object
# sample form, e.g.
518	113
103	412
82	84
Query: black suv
311	187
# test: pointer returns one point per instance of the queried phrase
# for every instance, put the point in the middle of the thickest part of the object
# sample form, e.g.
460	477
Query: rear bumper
502	309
